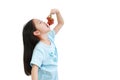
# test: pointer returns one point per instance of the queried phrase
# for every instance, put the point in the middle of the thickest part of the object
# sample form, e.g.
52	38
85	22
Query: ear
36	33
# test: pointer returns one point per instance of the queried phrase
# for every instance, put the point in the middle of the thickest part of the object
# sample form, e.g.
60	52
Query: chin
49	30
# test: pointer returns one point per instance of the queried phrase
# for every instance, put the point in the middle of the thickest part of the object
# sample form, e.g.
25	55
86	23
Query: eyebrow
39	21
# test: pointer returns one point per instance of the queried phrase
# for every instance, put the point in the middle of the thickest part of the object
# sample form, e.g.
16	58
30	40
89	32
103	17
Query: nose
44	22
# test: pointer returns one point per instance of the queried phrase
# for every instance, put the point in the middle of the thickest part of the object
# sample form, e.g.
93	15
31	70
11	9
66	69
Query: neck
44	38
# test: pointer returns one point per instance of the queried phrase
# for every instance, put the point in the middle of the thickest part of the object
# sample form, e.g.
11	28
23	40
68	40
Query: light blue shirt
46	58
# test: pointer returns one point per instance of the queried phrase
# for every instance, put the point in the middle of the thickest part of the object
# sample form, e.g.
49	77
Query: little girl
40	52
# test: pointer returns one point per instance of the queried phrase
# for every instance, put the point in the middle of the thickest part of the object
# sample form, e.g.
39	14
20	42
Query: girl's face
41	26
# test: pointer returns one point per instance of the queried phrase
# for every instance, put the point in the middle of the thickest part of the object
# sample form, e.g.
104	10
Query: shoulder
41	47
38	47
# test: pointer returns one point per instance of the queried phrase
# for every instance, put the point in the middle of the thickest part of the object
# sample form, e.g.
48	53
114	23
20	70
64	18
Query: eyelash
40	22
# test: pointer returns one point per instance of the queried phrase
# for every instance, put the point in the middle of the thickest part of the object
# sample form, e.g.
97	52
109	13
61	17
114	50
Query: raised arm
60	20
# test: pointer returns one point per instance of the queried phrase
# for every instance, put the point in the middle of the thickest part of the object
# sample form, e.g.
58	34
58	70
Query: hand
49	18
54	11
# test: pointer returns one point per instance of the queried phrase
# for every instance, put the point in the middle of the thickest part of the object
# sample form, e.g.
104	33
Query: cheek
38	26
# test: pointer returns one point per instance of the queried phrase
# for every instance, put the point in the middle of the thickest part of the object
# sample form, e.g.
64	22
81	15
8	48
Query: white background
88	44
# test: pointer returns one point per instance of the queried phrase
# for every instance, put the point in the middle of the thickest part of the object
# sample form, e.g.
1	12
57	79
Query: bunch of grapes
50	20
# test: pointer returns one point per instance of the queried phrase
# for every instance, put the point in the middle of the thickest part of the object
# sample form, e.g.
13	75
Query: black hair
29	42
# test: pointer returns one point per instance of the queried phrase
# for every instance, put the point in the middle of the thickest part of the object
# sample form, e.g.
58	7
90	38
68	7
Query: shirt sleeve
37	58
51	35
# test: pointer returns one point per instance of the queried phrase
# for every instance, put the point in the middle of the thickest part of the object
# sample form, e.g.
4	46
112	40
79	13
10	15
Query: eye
40	22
